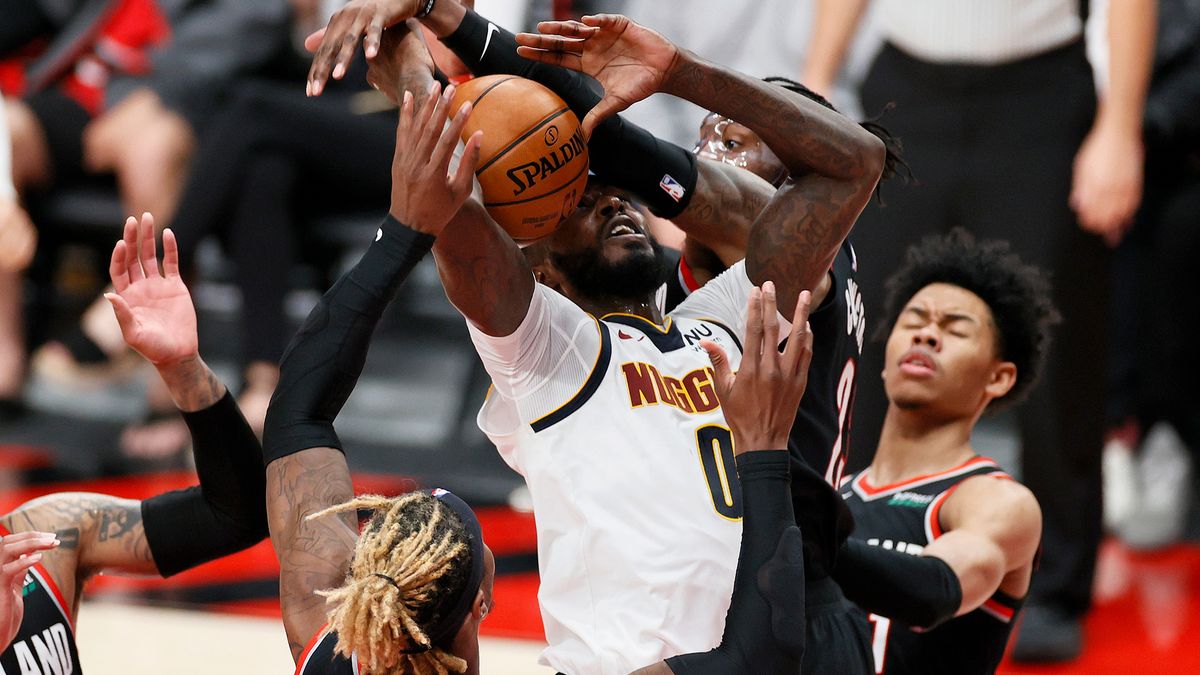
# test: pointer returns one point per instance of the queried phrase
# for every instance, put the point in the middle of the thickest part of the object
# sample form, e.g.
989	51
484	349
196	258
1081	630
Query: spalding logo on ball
533	163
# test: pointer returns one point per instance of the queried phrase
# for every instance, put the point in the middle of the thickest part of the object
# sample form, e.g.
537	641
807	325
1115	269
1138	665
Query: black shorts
838	636
63	121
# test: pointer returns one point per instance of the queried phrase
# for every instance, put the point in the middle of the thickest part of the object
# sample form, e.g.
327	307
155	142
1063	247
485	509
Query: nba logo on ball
533	162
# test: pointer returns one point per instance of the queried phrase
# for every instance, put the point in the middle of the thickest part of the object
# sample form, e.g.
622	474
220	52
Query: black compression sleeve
921	591
227	511
768	590
321	366
662	175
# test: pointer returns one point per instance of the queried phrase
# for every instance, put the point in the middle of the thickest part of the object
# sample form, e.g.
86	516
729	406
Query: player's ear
1001	379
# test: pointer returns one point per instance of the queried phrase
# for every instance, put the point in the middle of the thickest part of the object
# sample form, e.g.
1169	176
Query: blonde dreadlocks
413	554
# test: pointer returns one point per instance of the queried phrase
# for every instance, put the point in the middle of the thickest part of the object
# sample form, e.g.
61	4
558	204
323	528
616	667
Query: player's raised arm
306	470
179	529
837	163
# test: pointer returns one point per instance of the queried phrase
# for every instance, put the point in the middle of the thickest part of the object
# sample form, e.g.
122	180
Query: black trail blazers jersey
821	434
904	517
45	644
319	658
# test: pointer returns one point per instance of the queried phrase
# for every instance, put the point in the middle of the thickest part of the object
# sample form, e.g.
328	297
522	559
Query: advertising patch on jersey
672	187
913	499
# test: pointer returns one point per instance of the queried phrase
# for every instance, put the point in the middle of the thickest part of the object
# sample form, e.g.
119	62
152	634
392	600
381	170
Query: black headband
441	632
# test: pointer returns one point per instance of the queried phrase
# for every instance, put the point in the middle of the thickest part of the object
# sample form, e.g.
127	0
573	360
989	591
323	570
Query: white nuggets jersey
616	427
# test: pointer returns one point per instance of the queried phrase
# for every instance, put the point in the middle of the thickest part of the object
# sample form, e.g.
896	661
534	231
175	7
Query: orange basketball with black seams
533	163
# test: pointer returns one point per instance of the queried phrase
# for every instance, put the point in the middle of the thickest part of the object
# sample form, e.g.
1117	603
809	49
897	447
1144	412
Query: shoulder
998	506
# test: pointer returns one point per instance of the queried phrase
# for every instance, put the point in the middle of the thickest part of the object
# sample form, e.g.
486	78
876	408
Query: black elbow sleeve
921	591
227	511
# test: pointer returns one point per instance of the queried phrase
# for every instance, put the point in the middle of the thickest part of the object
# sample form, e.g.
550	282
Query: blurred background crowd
1070	128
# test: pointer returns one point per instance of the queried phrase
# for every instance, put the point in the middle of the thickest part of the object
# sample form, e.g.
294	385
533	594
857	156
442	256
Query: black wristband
425	9
758	464
321	365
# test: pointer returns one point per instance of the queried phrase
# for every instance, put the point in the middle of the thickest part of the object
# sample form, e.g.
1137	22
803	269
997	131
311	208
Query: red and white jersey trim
686	279
868	492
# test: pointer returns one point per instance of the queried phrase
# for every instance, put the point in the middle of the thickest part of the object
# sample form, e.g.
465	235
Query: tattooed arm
835	162
313	554
306	471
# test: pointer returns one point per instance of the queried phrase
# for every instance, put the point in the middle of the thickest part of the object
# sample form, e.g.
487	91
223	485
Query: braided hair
412	556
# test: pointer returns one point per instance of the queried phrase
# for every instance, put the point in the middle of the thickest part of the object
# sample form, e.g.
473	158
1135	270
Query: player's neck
911	444
647	308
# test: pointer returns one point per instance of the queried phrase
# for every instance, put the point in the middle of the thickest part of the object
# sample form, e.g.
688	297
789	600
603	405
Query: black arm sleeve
321	366
661	174
921	591
764	629
227	511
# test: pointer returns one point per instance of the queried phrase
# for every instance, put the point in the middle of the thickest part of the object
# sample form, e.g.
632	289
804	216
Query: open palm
629	60
154	309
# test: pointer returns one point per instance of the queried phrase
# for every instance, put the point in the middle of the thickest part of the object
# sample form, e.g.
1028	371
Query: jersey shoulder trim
687	280
867	492
306	655
589	387
1001	606
732	335
933	521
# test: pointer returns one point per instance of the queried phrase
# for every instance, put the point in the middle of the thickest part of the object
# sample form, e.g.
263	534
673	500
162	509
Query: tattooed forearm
105	531
313	554
806	136
192	384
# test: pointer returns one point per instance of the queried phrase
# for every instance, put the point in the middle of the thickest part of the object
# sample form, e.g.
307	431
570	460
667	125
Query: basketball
533	163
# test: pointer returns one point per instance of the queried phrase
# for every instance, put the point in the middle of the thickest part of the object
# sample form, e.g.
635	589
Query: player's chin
911	394
627	247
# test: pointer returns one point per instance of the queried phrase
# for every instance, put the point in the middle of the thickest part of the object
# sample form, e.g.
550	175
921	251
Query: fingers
550	43
15	569
349	44
724	377
121	309
147	246
433	125
564	59
449	139
132	267
313	41
604	20
374	35
25	543
574	29
461	183
770	321
754	332
404	126
607	107
118	269
326	52
799	335
170	254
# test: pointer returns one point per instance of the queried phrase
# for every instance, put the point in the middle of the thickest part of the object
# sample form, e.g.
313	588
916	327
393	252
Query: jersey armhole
587	389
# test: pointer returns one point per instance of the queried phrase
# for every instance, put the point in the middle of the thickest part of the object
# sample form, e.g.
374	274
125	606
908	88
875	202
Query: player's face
941	354
605	249
727	141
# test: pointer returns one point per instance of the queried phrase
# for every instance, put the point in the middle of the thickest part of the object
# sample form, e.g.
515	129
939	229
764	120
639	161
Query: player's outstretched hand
154	309
760	400
334	45
18	553
425	195
402	63
629	60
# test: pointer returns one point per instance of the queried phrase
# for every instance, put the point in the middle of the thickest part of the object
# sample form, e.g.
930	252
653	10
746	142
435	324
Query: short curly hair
1017	293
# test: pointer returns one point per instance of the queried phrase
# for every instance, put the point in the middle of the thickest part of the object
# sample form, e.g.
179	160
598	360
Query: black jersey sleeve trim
589	386
732	335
